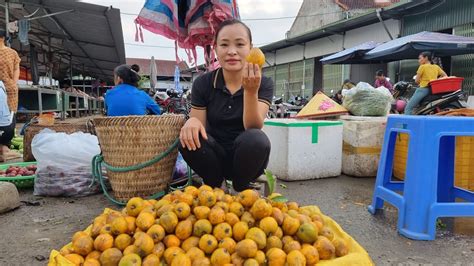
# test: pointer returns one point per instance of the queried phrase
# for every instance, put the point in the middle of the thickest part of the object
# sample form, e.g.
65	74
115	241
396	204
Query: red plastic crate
446	85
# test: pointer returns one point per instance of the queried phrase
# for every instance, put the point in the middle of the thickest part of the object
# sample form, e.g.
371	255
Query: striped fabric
190	23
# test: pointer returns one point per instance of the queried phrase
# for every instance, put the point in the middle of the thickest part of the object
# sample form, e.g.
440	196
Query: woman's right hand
189	135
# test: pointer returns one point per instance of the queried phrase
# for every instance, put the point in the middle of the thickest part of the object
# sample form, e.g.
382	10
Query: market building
330	26
68	52
165	72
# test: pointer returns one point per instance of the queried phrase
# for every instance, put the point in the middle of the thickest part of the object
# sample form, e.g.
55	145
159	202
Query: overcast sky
263	31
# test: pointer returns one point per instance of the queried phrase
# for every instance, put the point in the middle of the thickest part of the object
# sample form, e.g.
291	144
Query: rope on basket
98	162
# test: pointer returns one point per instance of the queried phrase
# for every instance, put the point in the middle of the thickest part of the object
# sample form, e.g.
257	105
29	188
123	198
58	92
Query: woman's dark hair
379	73
135	67
127	74
230	22
427	55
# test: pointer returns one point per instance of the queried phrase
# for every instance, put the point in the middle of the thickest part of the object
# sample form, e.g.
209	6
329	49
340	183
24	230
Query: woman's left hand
251	78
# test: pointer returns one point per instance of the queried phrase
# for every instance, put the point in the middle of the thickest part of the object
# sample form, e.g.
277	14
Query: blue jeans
415	100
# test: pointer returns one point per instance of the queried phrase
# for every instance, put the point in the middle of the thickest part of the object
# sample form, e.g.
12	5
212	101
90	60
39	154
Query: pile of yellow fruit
204	226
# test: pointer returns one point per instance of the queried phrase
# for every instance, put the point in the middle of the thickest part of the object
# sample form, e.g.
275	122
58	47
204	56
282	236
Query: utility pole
7	20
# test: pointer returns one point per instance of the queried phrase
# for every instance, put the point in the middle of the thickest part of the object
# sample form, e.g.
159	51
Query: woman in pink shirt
381	80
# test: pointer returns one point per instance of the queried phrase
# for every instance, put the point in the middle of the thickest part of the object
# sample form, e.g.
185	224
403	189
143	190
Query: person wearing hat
9	75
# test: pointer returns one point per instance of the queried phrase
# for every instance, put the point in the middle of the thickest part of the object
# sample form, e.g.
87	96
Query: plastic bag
64	163
365	100
180	168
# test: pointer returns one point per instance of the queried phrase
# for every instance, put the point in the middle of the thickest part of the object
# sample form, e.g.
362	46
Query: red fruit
28	173
10	175
13	173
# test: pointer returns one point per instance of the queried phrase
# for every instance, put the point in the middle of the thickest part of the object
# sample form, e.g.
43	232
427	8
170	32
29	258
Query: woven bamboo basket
34	129
130	140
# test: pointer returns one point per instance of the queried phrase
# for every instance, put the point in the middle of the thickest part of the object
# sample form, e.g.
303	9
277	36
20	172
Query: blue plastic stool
428	191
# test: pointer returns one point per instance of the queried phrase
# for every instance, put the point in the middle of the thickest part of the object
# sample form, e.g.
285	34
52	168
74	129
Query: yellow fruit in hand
256	56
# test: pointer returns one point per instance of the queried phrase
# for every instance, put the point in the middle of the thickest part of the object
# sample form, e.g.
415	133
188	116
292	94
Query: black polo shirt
224	110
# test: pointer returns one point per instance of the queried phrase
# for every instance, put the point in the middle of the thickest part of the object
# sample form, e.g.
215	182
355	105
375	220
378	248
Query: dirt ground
30	232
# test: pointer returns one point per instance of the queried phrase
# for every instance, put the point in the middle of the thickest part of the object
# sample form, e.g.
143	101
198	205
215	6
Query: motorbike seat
434	97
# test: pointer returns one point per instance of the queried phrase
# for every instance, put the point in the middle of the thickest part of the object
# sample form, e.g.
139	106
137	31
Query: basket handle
90	127
98	162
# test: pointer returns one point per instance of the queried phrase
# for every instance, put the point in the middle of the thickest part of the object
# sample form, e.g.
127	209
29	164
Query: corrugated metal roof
395	11
361	4
91	33
442	16
165	68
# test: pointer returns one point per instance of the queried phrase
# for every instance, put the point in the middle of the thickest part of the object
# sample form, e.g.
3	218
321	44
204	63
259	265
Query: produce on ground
205	226
17	144
12	171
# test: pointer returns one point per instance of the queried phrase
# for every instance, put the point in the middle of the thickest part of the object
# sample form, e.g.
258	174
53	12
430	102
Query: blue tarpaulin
352	55
409	47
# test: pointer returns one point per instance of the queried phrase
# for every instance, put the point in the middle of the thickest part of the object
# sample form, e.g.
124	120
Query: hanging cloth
23	29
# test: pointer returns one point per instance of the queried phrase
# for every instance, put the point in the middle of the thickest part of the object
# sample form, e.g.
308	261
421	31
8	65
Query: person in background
381	80
7	127
426	72
126	99
223	138
9	75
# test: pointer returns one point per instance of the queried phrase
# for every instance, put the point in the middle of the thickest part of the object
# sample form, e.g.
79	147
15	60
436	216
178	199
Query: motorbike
431	104
173	101
280	109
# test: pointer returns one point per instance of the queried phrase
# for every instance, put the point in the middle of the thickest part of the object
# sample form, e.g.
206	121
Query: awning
90	34
409	47
351	55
